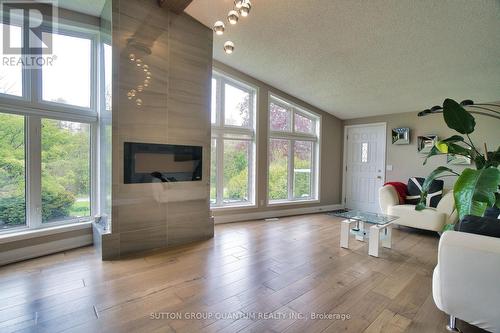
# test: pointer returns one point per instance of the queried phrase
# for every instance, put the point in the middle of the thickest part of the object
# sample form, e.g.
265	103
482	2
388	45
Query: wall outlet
389	167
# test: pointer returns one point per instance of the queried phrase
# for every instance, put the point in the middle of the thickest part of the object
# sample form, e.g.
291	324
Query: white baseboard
39	250
274	213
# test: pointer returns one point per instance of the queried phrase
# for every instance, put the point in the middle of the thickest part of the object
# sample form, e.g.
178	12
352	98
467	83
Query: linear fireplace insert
151	162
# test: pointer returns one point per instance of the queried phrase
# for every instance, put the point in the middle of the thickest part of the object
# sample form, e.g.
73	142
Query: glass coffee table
379	232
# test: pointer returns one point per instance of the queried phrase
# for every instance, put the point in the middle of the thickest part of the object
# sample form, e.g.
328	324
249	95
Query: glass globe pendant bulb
229	47
238	3
233	17
245	9
219	27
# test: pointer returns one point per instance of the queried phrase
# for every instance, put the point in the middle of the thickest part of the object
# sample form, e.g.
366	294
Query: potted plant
475	189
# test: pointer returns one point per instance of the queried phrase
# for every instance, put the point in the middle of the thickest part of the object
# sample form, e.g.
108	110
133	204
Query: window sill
28	234
231	207
292	202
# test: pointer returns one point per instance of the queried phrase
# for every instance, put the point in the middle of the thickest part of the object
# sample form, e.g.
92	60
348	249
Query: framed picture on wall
425	143
401	136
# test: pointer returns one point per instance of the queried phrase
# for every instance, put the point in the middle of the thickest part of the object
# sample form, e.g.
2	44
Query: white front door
364	167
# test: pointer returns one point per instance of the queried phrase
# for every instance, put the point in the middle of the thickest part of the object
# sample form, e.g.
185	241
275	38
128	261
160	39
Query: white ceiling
356	58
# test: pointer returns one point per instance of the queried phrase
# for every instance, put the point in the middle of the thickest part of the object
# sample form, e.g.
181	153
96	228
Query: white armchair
466	284
430	218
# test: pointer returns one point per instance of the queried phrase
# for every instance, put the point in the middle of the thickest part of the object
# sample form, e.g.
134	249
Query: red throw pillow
401	188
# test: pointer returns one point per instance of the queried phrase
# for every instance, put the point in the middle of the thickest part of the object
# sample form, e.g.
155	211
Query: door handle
379	177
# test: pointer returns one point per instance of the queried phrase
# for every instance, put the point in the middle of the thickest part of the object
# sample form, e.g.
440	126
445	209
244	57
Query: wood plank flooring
252	277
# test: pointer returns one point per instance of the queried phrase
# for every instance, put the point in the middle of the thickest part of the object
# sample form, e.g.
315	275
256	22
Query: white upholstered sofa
466	284
432	219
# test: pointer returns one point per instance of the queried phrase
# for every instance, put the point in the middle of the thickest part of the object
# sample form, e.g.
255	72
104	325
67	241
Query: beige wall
331	149
405	159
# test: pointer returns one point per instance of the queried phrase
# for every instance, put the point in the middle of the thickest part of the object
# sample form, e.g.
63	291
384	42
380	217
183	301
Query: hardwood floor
252	277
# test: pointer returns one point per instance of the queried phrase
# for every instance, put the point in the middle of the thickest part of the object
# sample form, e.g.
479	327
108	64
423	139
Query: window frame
32	81
32	106
293	136
220	132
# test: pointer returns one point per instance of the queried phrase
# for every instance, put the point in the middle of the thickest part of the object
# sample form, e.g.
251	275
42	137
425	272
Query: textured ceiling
356	58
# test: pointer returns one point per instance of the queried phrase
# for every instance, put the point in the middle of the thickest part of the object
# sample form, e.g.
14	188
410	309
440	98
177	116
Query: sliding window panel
12	172
236	171
11	71
67	79
65	171
278	169
302	170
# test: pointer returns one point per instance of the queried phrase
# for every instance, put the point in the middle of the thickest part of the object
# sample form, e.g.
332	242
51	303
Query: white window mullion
290	169
34	171
315	171
250	175
222	105
94	170
219	146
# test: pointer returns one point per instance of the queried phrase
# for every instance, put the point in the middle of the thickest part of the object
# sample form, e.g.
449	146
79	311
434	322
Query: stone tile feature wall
175	110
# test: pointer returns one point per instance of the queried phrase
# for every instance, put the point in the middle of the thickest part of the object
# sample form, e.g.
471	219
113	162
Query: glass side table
380	230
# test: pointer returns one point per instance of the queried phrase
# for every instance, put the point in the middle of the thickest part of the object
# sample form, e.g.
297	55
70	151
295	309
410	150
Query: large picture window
47	119
232	180
293	152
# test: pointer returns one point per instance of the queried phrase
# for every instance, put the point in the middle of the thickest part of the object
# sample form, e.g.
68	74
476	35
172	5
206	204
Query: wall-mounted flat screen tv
152	162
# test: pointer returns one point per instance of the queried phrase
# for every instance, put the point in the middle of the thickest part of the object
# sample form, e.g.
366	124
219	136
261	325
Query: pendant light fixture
238	3
229	47
138	58
219	28
245	8
233	17
241	8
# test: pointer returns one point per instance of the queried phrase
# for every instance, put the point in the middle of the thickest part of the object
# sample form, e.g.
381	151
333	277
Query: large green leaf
453	138
494	158
480	162
475	190
434	151
442	147
453	148
457	118
427	184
